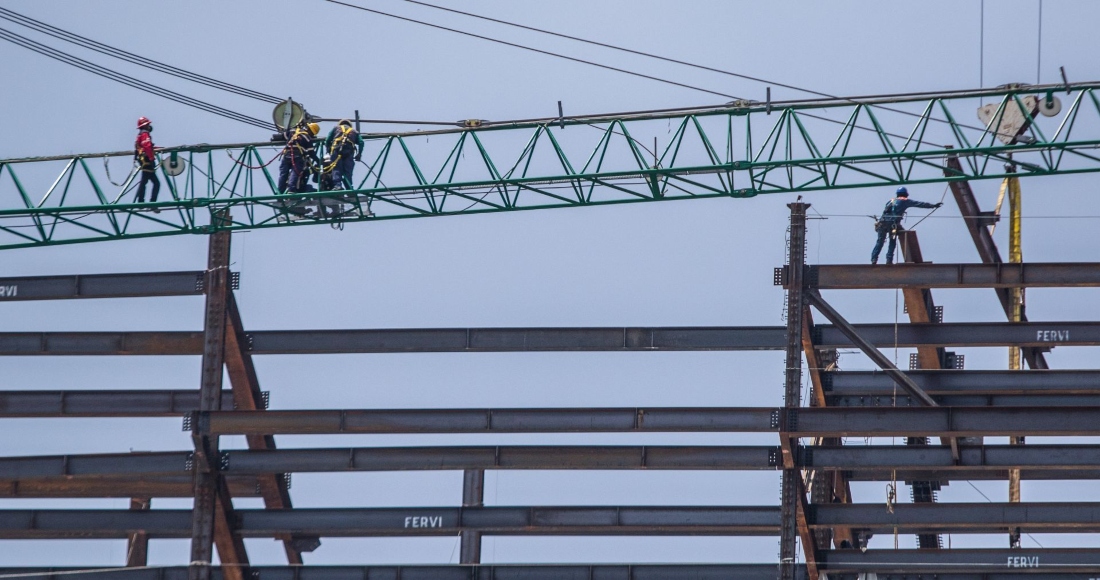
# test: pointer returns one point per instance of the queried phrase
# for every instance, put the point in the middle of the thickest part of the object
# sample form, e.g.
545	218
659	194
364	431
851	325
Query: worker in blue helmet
890	222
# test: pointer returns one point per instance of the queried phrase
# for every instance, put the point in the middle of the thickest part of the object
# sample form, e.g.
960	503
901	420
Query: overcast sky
706	262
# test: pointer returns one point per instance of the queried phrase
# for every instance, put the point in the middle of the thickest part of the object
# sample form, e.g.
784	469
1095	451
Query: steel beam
804	422
242	465
212	515
964	518
910	275
479	572
115	486
983	382
102	286
239	463
976	222
248	396
137	544
473	496
868	349
366	522
1028	334
145	403
969	518
1031	561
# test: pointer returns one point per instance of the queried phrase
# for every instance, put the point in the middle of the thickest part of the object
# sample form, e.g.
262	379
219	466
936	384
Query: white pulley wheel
1050	108
173	167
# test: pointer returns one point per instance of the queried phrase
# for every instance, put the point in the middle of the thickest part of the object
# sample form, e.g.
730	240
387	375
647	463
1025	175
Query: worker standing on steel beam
345	146
145	156
890	222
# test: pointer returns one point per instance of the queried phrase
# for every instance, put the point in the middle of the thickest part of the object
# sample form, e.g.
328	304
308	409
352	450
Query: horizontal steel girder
804	422
971	518
364	522
1066	388
461	572
146	403
1024	560
102	286
239	463
1034	334
116	486
978	382
925	275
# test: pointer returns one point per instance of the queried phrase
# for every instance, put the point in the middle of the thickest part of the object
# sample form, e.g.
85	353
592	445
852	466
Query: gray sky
705	262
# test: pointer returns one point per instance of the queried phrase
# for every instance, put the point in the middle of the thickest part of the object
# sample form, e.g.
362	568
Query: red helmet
143	122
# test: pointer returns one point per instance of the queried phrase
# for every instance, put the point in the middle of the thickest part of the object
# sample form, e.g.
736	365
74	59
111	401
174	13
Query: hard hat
314	128
903	192
143	122
344	122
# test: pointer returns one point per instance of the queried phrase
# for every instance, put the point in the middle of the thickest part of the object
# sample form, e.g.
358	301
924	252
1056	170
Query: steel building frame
819	524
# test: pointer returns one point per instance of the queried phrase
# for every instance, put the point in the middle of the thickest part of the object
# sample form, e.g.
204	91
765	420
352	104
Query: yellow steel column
1015	256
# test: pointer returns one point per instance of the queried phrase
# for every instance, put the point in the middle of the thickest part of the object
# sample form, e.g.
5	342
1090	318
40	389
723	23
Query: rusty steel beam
212	520
102	286
130	403
977	223
999	275
247	396
473	496
869	349
137	544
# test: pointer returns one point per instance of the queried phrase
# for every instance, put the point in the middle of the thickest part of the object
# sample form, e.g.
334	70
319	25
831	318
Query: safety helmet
144	122
344	122
902	192
314	128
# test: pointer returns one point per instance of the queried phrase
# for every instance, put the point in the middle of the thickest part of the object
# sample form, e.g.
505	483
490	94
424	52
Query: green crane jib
739	149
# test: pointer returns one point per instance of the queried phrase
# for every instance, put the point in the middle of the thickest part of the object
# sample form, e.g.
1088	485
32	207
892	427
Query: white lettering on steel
423	522
1023	562
9	291
1052	335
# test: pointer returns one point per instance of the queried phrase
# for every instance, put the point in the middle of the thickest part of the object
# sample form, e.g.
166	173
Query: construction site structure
942	411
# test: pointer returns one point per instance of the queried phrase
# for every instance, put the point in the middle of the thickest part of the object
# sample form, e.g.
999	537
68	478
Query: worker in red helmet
145	156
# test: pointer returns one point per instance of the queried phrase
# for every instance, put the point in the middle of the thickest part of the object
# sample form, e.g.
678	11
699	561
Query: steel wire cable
678	61
532	49
130	57
637	74
118	77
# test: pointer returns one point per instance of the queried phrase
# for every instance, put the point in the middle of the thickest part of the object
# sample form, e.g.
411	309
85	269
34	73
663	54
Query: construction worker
302	157
890	222
345	145
145	156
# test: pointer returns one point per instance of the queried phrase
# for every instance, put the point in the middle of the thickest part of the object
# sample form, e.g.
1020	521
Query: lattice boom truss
740	149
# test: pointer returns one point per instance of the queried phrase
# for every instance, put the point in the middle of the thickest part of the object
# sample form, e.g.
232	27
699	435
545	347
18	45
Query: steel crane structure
740	149
941	409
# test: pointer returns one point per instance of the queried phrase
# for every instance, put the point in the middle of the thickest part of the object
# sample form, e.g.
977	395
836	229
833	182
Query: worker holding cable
145	156
345	147
890	222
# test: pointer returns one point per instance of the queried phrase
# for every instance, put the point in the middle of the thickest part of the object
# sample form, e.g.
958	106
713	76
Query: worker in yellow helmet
302	156
345	147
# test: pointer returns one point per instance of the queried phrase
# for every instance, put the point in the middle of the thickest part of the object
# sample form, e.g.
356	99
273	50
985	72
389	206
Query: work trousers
284	173
298	179
341	174
886	229
148	174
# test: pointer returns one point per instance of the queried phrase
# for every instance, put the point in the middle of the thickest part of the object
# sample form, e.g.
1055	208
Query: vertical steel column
473	495
1016	298
137	544
210	388
792	390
